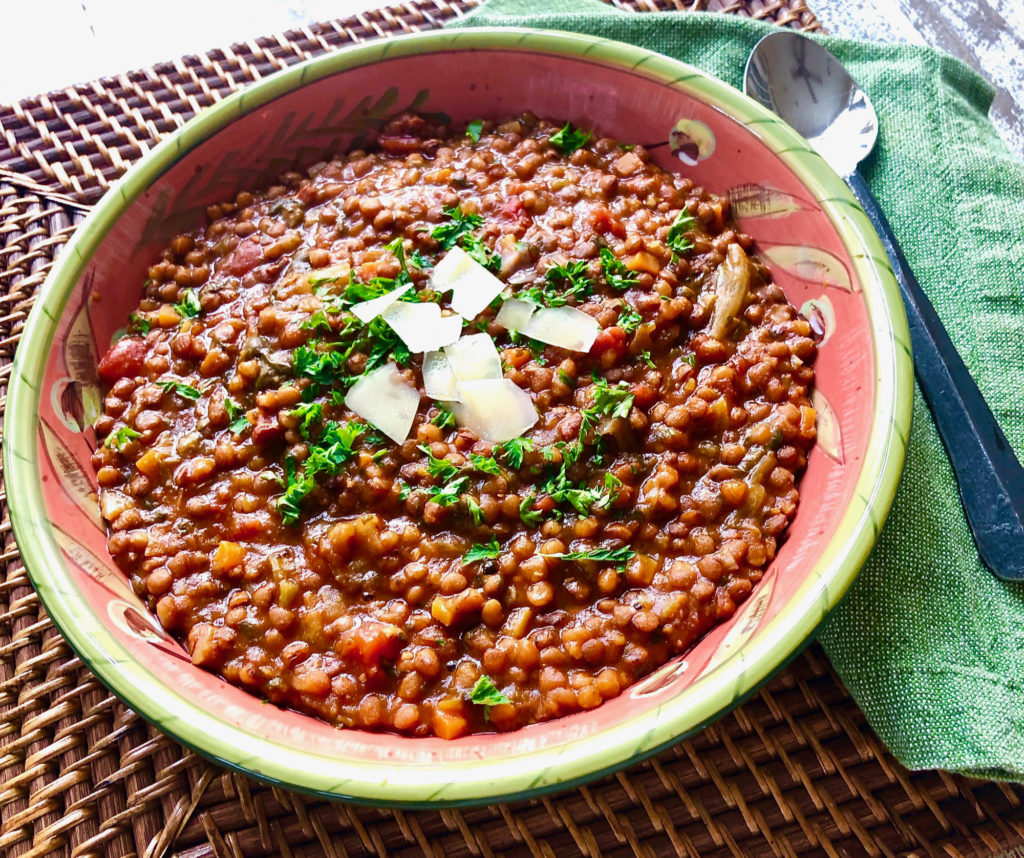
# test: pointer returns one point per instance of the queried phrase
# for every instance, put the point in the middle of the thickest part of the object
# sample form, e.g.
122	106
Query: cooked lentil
402	582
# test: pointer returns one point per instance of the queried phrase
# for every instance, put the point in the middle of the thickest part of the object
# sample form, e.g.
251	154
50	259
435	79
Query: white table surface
88	39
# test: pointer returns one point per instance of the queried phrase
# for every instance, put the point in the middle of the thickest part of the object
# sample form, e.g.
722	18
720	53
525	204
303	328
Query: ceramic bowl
820	247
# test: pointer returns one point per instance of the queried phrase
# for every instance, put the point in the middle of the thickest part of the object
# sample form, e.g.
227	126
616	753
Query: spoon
811	90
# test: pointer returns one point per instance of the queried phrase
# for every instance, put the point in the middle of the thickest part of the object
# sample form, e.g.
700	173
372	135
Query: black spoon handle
991	479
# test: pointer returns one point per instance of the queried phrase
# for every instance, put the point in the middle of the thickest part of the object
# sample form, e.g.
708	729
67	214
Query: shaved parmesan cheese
514	314
565	327
439	380
474	357
367	311
473	286
421	325
385	399
495	409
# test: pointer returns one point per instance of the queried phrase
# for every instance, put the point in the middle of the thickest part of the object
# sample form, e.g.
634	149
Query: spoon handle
991	479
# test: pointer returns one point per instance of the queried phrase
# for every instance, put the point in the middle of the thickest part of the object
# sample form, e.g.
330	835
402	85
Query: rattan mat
795	771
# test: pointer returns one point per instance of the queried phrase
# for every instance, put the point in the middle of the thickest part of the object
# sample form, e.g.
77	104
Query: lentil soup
441	582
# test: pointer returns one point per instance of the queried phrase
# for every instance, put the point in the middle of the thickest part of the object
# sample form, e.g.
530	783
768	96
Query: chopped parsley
475	510
676	238
528	513
619	556
568	139
189	307
327	456
239	422
615	271
514	450
459	231
485	693
185	391
438	467
487	551
121	438
486	464
418	260
474	129
613	401
561	283
444	417
645	356
448	494
318	322
308	414
629	319
141	325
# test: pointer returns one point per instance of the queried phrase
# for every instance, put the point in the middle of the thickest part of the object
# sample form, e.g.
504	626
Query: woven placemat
795	771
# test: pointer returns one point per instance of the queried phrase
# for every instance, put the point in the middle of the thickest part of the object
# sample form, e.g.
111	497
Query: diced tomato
266	430
244	258
603	221
610	339
126	359
371	641
643	394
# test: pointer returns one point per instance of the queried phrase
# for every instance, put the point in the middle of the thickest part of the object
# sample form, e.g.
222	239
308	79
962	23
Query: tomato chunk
126	359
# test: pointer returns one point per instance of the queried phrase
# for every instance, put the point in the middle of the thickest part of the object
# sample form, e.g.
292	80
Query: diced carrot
150	463
643	261
450	726
443	610
227	556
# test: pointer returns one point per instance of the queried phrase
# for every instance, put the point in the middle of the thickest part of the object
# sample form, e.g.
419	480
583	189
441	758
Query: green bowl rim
462	782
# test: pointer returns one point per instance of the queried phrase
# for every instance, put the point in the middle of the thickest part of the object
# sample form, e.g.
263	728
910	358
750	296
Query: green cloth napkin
927	641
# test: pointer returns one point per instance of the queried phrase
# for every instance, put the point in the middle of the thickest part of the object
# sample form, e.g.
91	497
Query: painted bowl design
817	241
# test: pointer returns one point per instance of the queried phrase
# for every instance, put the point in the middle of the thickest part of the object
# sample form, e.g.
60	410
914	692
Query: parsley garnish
121	438
614	401
486	464
562	282
514	450
444	417
404	490
143	326
239	422
488	551
308	414
676	238
619	556
645	356
318	322
418	260
326	458
569	139
475	510
438	467
529	515
189	307
397	248
485	693
186	391
448	494
473	130
629	319
459	231
615	271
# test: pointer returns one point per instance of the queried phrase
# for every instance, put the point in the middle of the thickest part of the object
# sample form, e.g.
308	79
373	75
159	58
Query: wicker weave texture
793	772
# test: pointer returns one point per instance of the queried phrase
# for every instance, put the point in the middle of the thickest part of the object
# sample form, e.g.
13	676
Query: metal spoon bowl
810	89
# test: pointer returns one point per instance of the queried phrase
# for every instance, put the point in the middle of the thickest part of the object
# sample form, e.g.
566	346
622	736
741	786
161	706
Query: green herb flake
613	401
308	414
141	325
448	494
121	438
485	693
568	139
528	514
486	551
514	450
617	556
645	356
459	231
629	319
677	239
438	467
486	464
475	510
474	129
334	448
189	307
239	422
404	490
444	417
562	283
616	273
418	260
185	391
